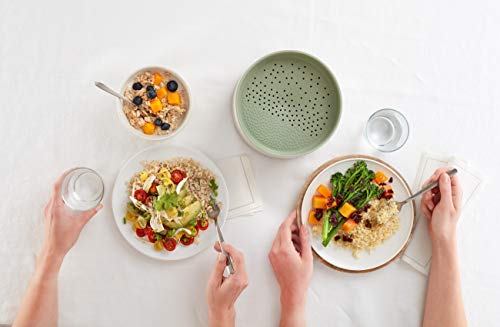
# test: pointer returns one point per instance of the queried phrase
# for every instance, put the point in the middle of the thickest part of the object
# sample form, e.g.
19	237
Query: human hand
442	205
292	261
223	292
61	227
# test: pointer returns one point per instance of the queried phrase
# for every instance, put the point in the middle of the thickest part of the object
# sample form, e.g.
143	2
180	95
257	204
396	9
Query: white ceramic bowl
124	120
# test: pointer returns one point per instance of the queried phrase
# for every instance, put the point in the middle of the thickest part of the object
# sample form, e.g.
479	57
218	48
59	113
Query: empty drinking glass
387	130
82	189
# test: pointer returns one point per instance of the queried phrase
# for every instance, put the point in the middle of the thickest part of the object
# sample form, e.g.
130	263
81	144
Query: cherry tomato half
187	240
140	195
150	233
202	224
177	175
140	232
170	244
148	199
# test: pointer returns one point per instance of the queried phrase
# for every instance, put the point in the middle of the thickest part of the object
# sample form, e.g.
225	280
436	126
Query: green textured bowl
287	104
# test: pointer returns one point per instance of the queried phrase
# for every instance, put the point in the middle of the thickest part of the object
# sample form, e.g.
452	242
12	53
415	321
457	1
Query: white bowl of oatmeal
161	106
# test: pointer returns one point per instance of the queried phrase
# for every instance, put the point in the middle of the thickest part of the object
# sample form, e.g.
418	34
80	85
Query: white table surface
437	61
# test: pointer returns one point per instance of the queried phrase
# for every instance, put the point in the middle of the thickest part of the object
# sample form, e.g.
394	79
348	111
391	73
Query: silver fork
400	204
214	214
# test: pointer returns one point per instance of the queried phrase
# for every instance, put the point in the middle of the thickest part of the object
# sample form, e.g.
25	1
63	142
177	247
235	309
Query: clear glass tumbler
82	189
387	130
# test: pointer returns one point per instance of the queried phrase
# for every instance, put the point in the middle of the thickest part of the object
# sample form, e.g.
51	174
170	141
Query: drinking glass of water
387	130
82	189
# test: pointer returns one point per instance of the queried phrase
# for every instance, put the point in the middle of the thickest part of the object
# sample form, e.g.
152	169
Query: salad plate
143	215
339	257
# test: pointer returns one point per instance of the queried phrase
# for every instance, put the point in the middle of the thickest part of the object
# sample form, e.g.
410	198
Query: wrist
444	243
292	310
48	263
221	317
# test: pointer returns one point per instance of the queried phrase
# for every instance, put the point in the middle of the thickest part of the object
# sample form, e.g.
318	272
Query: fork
400	204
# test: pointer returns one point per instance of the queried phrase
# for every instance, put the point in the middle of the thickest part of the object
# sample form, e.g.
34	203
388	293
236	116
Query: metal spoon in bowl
214	214
107	89
400	204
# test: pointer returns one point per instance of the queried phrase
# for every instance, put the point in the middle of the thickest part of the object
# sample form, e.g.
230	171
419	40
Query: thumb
445	188
91	213
215	279
305	243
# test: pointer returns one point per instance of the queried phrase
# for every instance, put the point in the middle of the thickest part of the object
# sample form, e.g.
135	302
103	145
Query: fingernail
221	257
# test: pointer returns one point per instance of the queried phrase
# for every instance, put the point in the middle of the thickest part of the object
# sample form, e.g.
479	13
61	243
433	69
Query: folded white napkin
244	199
419	251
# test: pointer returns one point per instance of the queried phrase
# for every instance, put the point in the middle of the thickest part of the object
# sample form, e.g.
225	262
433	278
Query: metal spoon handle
229	260
105	88
429	187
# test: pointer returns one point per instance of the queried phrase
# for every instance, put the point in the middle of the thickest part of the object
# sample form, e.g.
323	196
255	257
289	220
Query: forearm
39	306
444	306
292	313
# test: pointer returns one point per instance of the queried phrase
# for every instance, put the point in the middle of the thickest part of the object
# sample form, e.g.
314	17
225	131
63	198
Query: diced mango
319	202
347	209
157	79
161	93
148	128
156	105
323	190
174	98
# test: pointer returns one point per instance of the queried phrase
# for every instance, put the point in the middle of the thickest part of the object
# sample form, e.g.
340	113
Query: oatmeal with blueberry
160	103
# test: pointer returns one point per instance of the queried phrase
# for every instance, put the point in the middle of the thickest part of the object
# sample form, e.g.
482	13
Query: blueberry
150	88
137	86
158	122
151	94
165	126
172	86
137	101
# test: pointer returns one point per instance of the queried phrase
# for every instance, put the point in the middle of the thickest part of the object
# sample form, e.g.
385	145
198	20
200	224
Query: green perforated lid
287	104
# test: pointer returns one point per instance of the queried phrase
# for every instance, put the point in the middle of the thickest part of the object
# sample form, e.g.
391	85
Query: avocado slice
187	200
190	212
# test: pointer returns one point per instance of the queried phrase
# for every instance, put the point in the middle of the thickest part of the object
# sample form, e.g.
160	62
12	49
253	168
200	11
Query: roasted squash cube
347	209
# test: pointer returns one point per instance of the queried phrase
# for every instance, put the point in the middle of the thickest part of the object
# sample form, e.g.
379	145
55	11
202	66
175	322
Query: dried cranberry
344	238
339	198
349	239
357	219
390	179
329	203
333	219
318	214
336	238
368	224
382	184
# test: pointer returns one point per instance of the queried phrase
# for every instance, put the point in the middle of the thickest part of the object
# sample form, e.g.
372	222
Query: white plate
120	198
340	258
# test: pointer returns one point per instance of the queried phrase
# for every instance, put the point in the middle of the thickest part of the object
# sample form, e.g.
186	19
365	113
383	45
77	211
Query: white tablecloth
437	61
